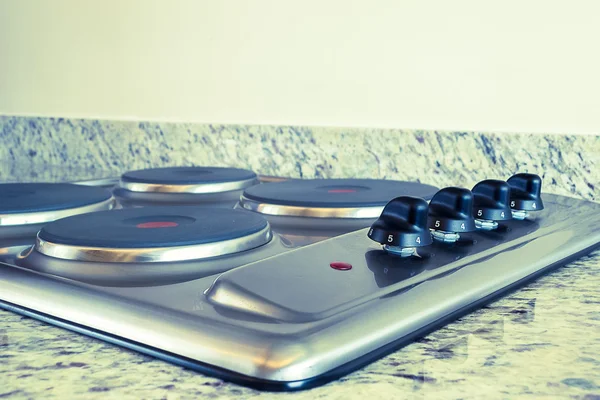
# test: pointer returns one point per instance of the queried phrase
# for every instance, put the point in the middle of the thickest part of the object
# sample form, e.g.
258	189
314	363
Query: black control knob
525	192
491	200
450	213
402	225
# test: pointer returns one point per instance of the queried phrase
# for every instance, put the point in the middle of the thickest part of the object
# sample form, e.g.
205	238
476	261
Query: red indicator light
341	266
157	224
342	191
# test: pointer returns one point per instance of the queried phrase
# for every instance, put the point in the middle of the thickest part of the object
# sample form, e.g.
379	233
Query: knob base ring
400	251
445	236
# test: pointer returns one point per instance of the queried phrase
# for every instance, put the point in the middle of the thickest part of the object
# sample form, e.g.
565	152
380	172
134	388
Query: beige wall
514	65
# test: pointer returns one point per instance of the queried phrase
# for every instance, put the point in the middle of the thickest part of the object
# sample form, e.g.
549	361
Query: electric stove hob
212	186
326	207
26	207
221	291
150	246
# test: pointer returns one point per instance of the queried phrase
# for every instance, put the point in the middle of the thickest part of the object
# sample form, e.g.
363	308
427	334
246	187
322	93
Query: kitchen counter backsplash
52	148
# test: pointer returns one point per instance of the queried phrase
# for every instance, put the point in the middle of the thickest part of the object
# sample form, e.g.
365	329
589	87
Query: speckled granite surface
569	164
542	341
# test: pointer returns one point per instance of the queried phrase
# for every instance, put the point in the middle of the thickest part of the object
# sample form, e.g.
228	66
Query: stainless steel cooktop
273	283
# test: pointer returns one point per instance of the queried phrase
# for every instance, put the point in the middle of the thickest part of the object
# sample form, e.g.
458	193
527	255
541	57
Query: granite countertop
542	341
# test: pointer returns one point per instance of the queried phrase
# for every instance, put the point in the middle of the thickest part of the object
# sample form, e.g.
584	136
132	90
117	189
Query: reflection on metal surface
160	254
17	250
48	216
25	252
292	241
106	182
315	212
201	188
14	251
270	179
10	250
387	272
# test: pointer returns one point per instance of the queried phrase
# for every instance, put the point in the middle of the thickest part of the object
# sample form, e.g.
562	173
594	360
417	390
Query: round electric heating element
180	185
24	207
329	198
153	234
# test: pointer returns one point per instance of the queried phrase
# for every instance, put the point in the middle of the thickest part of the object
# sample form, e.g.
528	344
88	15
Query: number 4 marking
462	226
534	206
418	239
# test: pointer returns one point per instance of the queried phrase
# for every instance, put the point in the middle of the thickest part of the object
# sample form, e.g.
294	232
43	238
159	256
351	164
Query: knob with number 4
402	224
525	192
451	210
491	200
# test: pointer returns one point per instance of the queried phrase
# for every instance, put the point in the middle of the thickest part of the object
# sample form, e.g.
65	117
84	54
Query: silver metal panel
290	317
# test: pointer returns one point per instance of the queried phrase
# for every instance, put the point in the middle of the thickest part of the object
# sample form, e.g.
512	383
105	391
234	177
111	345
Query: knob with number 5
403	223
451	210
525	194
491	200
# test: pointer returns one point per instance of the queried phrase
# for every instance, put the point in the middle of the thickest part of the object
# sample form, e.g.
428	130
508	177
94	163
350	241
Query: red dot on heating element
341	191
341	266
157	224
